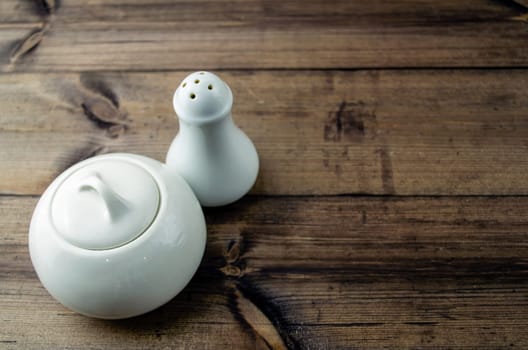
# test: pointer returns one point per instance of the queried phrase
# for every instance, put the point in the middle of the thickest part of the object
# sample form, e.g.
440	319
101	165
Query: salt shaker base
217	177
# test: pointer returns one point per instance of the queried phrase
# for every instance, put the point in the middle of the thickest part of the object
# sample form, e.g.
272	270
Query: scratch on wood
387	177
28	44
363	217
339	118
347	121
421	323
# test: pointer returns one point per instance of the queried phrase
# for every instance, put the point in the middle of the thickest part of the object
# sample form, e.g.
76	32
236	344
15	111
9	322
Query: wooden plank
140	35
421	132
253	11
257	11
310	273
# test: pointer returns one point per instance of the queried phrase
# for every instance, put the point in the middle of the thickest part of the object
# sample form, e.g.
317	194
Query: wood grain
141	35
391	205
310	273
410	132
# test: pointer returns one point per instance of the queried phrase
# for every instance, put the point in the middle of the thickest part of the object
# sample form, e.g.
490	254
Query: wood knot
231	271
234	266
100	104
46	7
105	115
28	44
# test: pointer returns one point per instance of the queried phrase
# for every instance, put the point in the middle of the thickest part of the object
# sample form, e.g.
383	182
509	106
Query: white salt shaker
210	152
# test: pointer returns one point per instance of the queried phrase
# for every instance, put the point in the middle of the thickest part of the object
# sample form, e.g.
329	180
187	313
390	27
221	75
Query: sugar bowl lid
105	204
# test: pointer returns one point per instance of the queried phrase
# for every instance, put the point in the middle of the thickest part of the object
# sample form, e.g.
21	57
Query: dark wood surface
391	206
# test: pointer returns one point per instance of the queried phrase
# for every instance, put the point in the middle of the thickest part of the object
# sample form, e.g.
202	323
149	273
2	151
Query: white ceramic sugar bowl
116	236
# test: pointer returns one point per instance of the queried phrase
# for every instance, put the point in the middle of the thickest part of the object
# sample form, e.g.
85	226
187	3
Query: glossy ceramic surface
105	204
215	157
145	270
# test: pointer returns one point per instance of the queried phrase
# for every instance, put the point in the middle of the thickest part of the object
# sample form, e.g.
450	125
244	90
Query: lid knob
116	206
105	204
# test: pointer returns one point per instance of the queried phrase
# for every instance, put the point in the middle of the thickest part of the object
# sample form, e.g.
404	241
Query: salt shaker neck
219	125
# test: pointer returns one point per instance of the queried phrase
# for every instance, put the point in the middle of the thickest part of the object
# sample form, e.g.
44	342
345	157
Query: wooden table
391	206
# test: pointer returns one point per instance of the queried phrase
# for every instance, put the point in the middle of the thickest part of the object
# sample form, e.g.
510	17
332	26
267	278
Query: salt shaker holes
210	87
192	95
